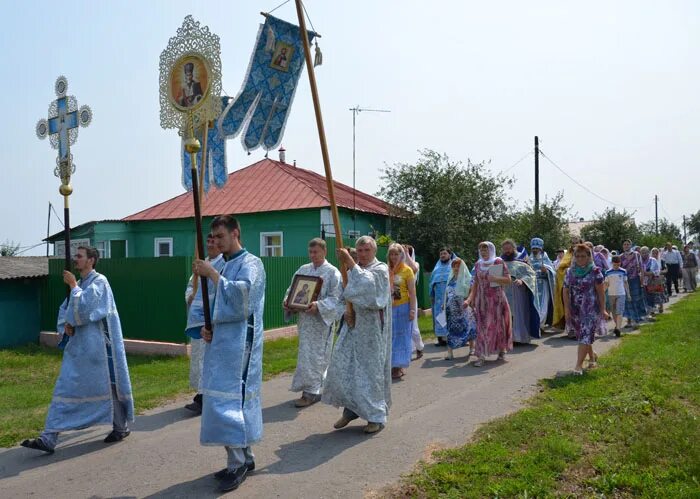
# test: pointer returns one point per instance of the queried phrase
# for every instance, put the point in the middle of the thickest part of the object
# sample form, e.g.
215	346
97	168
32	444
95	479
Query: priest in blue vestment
195	321
521	294
438	283
93	387
546	278
232	372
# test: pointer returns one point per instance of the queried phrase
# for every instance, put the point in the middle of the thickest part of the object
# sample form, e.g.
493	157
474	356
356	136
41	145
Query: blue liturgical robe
195	313
93	359
524	307
545	283
438	283
232	374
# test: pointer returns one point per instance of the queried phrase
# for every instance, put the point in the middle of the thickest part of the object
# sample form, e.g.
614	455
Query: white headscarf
492	253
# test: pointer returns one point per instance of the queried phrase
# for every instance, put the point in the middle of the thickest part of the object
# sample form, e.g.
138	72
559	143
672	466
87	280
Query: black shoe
194	407
219	475
116	436
441	342
231	480
38	444
617	332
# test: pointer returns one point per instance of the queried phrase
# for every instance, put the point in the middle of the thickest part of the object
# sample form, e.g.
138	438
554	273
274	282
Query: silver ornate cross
62	128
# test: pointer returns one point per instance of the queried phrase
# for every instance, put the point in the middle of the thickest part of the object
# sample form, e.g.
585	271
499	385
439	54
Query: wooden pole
192	146
324	148
195	283
321	129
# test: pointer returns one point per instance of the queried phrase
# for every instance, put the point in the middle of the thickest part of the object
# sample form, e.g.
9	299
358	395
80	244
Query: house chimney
282	155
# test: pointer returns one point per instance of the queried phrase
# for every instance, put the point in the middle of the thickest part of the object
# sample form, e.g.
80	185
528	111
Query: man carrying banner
195	321
359	377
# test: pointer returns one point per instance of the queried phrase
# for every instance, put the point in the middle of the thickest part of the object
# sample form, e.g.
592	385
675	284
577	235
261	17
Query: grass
627	429
28	375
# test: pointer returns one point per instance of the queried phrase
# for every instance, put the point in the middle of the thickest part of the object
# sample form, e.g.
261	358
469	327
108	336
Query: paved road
439	403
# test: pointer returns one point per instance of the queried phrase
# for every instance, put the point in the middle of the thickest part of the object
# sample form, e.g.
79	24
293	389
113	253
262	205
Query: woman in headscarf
461	325
543	267
690	269
653	281
487	298
416	338
635	308
584	299
403	292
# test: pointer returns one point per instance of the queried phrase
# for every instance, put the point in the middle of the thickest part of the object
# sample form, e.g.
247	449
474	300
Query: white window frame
157	241
126	241
354	234
104	250
264	246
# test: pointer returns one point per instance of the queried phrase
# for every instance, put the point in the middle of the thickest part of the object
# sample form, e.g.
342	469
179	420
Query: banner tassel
318	56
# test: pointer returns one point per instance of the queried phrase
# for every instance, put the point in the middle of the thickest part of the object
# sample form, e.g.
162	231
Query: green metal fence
150	293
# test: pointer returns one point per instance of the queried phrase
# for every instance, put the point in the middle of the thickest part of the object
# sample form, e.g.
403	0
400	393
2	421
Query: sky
610	88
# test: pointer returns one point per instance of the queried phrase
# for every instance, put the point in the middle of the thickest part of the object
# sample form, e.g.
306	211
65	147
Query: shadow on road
204	486
18	459
284	411
160	420
314	450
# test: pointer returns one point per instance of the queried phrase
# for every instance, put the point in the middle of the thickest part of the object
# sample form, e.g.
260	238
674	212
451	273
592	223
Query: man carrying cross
93	386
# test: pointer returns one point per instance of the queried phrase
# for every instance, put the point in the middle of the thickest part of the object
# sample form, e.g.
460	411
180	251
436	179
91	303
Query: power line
30	247
516	163
54	212
586	188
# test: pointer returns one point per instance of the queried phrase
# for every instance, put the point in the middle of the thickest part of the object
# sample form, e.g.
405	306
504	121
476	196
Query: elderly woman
584	300
653	281
690	269
487	298
461	326
403	309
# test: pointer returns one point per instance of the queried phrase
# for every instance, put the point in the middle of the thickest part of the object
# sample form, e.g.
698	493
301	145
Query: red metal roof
265	186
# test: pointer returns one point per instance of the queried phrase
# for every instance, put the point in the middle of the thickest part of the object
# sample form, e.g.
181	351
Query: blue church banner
260	110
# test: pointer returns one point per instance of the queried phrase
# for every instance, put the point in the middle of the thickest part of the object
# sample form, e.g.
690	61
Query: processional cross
62	129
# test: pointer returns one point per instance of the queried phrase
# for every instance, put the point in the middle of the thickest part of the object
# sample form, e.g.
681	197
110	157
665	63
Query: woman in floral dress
584	301
461	325
487	298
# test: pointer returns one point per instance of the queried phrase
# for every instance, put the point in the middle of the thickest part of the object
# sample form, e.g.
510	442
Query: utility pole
355	110
537	174
685	235
48	228
656	210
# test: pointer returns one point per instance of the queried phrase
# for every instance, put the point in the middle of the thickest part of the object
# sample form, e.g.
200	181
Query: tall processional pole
324	144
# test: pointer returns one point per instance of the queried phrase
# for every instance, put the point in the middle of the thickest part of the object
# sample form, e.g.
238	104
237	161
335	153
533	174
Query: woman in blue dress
461	323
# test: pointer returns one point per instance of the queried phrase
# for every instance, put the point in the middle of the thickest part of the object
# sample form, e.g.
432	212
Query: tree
550	223
693	225
439	202
668	232
611	228
9	248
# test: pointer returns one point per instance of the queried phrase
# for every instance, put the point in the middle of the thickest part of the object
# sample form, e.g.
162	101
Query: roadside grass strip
629	428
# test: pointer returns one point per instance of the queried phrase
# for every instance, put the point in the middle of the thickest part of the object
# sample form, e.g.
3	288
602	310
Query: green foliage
627	429
383	240
443	202
550	223
668	232
611	228
693	226
9	248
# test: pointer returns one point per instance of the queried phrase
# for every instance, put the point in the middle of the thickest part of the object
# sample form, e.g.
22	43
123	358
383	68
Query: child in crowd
618	291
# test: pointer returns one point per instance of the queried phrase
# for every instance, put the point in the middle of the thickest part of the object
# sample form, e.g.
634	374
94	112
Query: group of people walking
357	333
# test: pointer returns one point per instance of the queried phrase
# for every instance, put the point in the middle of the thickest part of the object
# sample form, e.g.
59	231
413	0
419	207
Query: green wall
20	311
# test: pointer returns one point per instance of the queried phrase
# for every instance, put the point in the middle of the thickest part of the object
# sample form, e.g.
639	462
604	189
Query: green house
280	208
